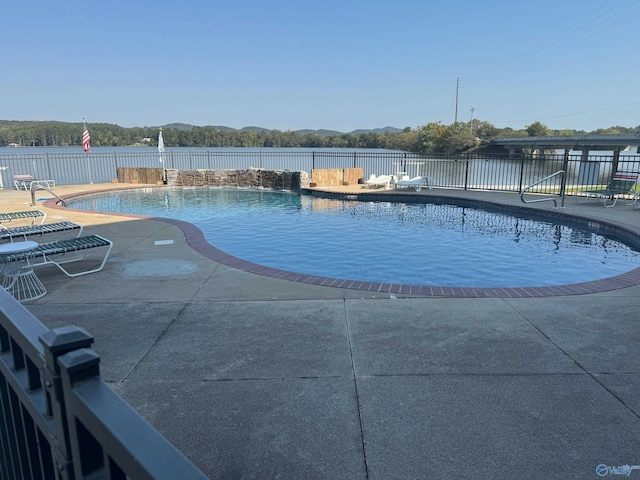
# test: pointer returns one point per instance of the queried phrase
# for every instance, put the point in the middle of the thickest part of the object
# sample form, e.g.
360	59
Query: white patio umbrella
161	153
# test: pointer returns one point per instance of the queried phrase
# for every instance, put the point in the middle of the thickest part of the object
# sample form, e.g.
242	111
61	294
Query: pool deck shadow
255	377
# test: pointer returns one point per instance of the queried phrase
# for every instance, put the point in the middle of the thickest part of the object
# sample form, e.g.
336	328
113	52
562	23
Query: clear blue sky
339	65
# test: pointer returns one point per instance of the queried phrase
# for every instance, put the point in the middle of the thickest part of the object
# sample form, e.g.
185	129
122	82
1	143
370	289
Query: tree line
434	137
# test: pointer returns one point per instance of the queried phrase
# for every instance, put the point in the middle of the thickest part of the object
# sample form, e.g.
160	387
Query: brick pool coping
196	240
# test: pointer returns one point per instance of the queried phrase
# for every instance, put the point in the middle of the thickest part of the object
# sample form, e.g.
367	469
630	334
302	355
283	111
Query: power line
537	55
570	114
524	54
565	41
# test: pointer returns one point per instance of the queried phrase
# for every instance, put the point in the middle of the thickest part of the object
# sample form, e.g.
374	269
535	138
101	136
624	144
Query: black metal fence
486	172
59	420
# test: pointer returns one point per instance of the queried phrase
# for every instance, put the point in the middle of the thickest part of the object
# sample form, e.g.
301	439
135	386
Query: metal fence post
76	366
48	165
466	171
521	179
56	343
565	167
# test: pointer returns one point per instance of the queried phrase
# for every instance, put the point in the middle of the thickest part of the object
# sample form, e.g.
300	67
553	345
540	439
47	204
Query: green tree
406	140
564	132
429	137
537	129
457	138
485	131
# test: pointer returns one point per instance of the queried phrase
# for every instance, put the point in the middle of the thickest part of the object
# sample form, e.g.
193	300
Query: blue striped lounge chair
62	252
10	233
622	184
7	217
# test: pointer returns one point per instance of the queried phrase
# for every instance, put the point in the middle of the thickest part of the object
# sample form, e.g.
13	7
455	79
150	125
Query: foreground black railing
59	420
483	172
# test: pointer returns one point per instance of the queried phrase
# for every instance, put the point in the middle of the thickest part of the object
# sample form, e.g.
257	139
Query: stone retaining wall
252	177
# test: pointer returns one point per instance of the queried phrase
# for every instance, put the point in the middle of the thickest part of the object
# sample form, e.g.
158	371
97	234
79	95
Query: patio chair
415	182
380	181
635	203
57	253
622	184
22	182
9	233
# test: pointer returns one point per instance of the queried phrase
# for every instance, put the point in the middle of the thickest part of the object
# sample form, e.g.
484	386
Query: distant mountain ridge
321	132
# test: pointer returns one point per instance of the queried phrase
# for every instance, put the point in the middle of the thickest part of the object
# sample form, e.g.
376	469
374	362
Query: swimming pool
412	244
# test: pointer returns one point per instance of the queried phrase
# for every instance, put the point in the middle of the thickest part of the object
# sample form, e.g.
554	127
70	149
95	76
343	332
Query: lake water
69	166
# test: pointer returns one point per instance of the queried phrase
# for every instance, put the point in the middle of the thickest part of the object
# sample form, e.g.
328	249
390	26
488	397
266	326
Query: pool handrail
35	188
547	199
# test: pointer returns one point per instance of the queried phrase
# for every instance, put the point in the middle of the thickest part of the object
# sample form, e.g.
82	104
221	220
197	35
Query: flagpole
87	148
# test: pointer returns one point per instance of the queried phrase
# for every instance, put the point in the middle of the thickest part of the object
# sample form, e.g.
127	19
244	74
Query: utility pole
471	123
457	88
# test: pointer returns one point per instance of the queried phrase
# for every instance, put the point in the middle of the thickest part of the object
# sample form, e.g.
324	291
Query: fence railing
59	420
487	172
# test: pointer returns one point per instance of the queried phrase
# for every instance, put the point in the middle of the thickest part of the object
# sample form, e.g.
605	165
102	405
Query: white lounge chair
415	182
380	181
22	182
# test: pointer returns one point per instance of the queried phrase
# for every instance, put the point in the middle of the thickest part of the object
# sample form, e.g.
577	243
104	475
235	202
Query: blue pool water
416	244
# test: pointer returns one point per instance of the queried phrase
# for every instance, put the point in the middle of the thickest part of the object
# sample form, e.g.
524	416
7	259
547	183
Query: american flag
86	140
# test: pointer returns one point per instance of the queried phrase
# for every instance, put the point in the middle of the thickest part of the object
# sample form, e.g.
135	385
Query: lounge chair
32	214
27	182
635	200
381	181
22	182
25	231
56	253
415	182
622	184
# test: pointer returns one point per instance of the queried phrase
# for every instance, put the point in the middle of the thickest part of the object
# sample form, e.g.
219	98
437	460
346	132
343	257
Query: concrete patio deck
256	377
